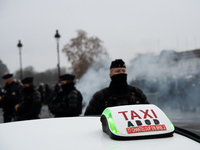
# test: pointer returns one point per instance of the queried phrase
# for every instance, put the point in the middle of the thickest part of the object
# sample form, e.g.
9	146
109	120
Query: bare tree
82	51
28	71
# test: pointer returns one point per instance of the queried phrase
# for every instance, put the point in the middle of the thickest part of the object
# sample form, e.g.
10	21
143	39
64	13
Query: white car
139	127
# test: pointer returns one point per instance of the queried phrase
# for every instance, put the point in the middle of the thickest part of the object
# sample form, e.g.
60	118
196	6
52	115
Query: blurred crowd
47	92
181	93
24	100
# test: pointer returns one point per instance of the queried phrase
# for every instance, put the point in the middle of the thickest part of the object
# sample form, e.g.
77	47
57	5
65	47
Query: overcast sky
127	27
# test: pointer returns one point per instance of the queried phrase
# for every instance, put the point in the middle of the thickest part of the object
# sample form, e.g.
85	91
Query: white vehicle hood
77	133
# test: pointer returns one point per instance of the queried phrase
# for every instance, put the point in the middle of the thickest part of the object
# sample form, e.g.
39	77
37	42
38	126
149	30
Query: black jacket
29	107
67	104
106	98
10	97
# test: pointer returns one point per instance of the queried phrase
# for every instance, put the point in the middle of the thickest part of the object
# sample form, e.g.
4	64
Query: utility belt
131	97
117	101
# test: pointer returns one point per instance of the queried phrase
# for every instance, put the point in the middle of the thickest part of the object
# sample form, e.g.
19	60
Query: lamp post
57	36
20	58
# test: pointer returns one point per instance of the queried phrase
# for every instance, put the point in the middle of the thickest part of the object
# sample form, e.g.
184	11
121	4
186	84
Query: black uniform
109	97
118	93
67	103
30	106
9	99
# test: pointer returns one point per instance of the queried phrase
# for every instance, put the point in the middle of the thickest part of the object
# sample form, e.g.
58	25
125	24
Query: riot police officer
118	93
9	97
68	101
30	105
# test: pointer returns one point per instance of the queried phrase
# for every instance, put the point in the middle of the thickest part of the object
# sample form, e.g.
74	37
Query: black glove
2	101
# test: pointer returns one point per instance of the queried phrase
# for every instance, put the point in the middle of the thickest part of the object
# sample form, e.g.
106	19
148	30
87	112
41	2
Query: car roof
77	133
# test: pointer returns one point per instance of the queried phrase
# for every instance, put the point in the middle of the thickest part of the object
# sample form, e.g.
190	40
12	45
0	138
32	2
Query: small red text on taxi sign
146	128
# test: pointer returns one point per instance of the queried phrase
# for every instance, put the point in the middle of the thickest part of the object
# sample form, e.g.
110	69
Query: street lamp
57	36
20	58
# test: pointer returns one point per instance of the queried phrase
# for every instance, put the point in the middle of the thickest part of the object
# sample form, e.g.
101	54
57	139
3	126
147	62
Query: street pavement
187	120
44	113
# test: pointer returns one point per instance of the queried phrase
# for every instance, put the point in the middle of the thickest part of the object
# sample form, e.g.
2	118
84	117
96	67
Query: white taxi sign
136	121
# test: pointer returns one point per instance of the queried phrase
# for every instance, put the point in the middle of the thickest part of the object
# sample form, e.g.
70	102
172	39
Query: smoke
95	79
170	80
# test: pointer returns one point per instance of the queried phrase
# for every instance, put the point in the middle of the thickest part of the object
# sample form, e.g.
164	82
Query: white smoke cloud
95	79
160	78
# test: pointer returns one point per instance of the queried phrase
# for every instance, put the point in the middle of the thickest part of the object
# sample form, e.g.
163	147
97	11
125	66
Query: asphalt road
44	113
186	120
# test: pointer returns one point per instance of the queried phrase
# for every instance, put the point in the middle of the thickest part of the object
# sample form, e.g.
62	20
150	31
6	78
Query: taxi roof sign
136	122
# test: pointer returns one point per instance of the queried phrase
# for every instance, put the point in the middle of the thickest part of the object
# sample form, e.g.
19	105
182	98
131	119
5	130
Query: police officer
30	105
68	101
118	93
9	97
